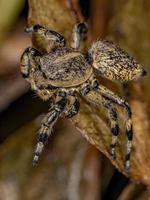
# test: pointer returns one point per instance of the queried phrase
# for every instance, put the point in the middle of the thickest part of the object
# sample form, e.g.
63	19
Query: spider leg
48	35
46	127
113	124
25	61
102	92
29	66
79	35
129	132
74	107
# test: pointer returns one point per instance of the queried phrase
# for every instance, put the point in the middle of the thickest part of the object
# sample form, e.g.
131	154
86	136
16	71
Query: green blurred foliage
9	12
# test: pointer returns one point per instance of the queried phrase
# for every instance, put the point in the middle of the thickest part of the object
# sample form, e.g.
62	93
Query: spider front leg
46	127
79	34
24	63
74	107
48	35
129	132
113	125
28	65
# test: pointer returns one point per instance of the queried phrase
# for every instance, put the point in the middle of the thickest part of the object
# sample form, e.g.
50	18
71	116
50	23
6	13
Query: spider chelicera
63	74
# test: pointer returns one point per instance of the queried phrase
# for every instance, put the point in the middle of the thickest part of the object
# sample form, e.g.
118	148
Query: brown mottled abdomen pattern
114	63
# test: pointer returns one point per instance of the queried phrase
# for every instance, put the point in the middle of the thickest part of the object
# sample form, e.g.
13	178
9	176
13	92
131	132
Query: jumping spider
65	73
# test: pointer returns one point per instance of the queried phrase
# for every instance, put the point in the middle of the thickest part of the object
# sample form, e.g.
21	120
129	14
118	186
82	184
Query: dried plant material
92	179
133	192
100	16
73	6
56	17
89	120
75	176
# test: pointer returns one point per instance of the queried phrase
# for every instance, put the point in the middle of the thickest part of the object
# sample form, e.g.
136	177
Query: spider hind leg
113	125
102	94
128	123
129	133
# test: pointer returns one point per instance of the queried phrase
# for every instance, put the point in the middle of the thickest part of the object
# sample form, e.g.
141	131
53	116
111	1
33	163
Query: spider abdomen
113	63
65	67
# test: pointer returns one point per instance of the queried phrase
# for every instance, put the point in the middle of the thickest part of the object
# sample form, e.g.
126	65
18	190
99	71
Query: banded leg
113	124
74	108
47	34
129	132
46	127
79	35
26	60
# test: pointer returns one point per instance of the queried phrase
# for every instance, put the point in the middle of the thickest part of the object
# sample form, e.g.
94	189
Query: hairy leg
113	124
29	67
97	96
46	127
83	90
129	132
48	35
79	35
27	62
73	107
89	86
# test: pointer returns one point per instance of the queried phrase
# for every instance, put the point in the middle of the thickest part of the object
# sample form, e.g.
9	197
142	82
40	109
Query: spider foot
127	157
37	153
113	147
35	160
113	154
127	163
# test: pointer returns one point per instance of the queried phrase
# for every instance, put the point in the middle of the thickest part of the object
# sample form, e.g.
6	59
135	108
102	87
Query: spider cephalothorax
62	74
